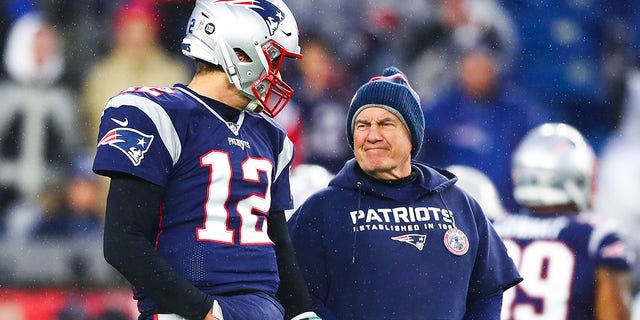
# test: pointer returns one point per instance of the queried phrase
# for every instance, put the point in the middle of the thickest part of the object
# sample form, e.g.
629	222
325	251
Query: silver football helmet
265	30
481	188
553	165
306	179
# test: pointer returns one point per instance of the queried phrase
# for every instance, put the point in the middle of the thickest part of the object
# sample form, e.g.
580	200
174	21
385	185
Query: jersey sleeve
281	198
136	137
610	250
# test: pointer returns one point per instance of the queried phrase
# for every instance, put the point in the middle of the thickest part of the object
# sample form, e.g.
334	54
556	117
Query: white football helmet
553	165
481	188
305	180
265	30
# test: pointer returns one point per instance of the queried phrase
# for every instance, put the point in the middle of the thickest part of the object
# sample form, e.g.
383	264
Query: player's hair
204	67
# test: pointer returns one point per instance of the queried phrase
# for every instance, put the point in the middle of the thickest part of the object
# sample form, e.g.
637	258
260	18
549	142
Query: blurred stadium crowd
487	71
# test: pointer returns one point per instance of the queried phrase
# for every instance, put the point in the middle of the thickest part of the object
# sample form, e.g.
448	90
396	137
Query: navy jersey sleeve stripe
599	233
285	156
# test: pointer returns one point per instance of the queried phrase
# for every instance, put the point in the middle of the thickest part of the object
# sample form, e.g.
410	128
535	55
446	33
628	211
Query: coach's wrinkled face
382	144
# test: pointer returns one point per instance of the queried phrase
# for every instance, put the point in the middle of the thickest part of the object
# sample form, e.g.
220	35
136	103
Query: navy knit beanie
392	92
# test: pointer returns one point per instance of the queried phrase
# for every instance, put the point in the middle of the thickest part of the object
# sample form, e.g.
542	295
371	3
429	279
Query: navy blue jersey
420	250
557	256
222	174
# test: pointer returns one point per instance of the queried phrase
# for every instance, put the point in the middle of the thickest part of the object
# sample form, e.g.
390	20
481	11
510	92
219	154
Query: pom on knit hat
390	91
136	11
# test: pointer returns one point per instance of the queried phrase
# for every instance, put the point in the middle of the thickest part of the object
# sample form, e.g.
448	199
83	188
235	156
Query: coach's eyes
361	126
389	123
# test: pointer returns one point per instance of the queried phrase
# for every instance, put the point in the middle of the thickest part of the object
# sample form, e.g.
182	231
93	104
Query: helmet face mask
264	31
553	165
270	90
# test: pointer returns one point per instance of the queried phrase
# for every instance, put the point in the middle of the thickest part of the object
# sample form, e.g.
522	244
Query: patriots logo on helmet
133	143
615	250
271	15
416	240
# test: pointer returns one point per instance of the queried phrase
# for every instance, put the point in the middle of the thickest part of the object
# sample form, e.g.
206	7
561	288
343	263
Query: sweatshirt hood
431	179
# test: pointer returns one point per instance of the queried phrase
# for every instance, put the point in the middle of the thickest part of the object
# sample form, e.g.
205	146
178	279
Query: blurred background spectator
364	35
174	14
479	120
79	213
455	27
322	94
619	170
11	10
573	58
38	128
85	28
136	57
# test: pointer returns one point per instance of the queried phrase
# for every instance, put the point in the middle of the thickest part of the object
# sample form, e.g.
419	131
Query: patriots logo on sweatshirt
416	240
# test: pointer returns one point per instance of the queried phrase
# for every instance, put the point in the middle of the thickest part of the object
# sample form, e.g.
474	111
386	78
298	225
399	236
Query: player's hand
310	315
215	313
210	317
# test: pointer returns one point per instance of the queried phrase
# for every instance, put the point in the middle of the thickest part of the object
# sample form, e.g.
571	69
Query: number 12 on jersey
253	229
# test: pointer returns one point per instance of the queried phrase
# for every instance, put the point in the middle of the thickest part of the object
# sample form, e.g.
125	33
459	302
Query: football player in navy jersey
574	267
200	175
392	238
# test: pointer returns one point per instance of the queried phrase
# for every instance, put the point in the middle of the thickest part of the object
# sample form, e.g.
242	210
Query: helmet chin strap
254	106
230	68
576	195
